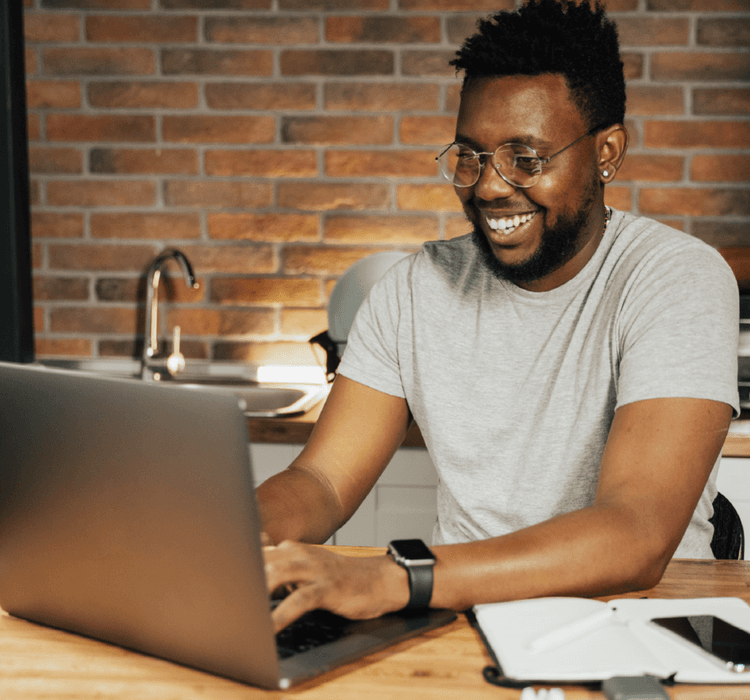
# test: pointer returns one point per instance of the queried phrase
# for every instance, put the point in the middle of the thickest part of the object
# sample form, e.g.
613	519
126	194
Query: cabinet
734	482
402	505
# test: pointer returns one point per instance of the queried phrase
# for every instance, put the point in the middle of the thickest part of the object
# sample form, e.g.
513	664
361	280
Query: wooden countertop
296	430
38	662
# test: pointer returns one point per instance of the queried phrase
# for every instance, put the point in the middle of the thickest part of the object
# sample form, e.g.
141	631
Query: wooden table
41	663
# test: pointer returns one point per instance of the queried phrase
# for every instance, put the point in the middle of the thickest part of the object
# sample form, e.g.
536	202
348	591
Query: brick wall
276	142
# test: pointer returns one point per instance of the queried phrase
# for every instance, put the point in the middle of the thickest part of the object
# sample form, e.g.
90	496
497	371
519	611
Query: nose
491	184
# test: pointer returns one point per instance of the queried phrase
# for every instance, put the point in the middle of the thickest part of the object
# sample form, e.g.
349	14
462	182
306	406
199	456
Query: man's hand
355	587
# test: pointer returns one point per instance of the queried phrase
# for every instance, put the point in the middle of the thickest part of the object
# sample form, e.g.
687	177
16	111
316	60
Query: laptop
128	514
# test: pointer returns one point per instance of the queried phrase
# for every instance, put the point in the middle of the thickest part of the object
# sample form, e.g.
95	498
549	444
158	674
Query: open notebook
584	640
128	514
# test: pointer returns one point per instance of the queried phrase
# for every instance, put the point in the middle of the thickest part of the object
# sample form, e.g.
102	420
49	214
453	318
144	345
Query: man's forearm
296	505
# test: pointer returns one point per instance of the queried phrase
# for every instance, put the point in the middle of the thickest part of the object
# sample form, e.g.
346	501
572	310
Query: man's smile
507	224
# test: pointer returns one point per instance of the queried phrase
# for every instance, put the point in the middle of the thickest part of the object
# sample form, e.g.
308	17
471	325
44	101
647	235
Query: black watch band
418	560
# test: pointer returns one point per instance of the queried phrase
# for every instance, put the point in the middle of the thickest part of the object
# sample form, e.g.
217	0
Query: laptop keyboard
313	629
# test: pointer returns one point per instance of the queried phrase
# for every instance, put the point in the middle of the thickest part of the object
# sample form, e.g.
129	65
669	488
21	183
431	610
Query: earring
605	173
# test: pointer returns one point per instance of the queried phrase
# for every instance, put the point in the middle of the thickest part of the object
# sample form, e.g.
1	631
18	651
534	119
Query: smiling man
572	368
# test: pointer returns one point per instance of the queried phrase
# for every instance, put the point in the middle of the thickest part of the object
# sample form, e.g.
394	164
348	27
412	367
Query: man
572	368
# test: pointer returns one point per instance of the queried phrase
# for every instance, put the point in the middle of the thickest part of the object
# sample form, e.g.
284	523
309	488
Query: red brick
55	160
695	201
731	32
647	100
653	31
720	168
155	28
92	257
427	198
59	94
699	5
336	62
47	288
263	227
30	62
395	29
54	225
462	26
39	322
189	193
428	131
396	230
337	130
87	127
99	61
651	168
218	129
380	97
279	31
262	163
618	197
457	5
428	63
321	196
82	319
255	96
145	160
100	193
452	98
681	65
396	163
58	28
37	255
240	259
721	233
144	95
216	4
97	4
265	290
632	65
729	101
333	5
33	127
323	260
172	288
241	322
147	225
303	322
34	192
59	347
696	134
456	226
216	62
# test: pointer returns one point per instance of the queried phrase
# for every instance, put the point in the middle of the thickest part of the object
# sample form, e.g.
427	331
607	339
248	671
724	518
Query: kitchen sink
257	399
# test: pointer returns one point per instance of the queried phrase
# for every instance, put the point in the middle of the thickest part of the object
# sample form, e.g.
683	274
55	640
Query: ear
612	144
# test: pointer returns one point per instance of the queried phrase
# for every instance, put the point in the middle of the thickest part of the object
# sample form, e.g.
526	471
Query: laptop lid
128	514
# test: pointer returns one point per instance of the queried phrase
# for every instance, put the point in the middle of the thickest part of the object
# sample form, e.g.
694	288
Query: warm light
291	374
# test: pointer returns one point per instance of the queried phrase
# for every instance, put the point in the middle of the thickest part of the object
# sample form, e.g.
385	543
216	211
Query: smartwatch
415	556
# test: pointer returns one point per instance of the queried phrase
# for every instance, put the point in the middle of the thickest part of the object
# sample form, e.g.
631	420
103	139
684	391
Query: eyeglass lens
517	164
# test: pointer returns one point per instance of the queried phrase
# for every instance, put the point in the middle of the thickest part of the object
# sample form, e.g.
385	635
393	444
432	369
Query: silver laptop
128	514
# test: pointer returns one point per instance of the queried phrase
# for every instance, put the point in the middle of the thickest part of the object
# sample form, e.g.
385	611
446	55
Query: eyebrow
527	140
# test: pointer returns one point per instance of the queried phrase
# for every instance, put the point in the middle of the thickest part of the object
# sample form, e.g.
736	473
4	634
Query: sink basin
257	399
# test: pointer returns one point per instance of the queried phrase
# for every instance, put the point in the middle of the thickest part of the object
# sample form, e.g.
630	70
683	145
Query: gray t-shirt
515	391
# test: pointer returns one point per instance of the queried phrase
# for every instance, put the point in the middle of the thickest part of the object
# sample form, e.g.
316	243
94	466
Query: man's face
541	236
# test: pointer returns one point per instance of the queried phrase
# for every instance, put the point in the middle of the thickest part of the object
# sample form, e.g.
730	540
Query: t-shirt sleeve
679	328
371	354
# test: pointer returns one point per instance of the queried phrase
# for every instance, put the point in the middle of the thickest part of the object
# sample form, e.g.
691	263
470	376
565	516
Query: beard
558	245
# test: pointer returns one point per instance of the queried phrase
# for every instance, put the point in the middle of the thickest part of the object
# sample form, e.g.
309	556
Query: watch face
413	551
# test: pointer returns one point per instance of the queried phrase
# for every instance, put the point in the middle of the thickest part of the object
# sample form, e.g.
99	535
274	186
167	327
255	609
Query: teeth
507	225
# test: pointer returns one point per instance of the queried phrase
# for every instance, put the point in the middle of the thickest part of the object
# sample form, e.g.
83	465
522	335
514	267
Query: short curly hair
574	39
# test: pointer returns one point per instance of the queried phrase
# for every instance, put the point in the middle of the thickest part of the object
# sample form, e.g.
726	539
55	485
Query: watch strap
420	586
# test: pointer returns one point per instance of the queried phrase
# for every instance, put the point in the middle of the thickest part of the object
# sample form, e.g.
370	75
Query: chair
728	541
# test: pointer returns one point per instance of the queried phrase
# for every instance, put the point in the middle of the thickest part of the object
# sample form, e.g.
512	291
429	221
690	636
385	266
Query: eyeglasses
518	165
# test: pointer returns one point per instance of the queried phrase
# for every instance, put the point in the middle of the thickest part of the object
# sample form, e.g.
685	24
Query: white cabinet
733	481
402	505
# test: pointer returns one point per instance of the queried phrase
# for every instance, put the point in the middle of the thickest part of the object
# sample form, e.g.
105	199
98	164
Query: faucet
151	368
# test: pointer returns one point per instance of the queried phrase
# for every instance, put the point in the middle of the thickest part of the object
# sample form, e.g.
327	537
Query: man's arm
658	457
358	432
